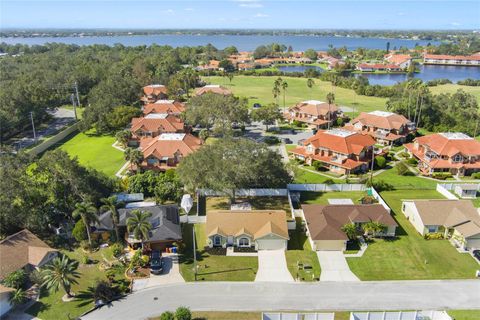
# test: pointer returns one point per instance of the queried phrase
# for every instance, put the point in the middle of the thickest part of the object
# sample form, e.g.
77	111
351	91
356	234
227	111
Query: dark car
287	141
257	105
476	254
156	262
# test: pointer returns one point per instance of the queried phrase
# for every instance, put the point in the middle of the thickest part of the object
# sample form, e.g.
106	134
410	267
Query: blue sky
296	14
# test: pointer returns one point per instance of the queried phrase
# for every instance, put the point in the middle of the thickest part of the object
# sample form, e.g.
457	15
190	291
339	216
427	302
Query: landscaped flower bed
249	249
216	251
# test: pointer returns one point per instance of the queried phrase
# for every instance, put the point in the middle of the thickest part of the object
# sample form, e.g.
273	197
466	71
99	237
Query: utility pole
74	106
33	127
194	253
76	93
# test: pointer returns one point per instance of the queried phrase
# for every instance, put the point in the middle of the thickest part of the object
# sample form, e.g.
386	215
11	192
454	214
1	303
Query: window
432	229
457	158
243	242
217	241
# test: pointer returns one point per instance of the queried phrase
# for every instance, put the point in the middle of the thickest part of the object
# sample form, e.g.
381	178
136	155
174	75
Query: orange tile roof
397	58
314	108
213	89
346	164
169	144
383	120
155	122
342	141
164	106
442	145
155	89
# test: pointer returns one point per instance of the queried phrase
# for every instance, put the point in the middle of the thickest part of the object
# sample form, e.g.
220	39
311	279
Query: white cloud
251	5
455	24
189	9
261	15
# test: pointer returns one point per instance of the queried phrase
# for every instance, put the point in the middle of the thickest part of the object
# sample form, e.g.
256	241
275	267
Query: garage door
473	243
271	244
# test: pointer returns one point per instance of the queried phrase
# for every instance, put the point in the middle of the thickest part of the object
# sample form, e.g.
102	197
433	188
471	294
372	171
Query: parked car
257	105
287	141
476	254
156	262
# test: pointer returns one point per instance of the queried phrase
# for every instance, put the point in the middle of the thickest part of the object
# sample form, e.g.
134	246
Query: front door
230	241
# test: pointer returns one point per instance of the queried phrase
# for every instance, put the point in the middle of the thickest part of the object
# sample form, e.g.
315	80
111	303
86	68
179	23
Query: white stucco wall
410	211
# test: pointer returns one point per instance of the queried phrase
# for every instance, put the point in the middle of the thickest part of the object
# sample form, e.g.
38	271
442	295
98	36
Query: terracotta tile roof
474	57
256	223
458	214
346	164
325	222
164	106
213	89
314	108
169	144
397	58
450	144
20	249
382	120
157	122
155	89
342	141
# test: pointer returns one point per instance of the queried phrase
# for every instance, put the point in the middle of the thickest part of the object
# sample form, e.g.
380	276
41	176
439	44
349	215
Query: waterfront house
473	60
401	60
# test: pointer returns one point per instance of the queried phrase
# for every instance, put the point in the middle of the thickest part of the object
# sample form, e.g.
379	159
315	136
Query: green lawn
322	197
300	251
452	88
212	267
405	182
51	306
305	176
464	314
95	151
257	203
410	257
259	89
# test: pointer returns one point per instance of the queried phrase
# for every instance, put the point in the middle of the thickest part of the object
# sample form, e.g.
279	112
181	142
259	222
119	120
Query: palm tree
112	205
423	92
61	272
330	100
139	225
88	213
18	297
310	84
134	156
373	227
123	137
284	88
350	230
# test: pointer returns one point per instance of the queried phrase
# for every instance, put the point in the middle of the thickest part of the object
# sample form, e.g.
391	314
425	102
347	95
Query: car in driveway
476	254
287	141
156	262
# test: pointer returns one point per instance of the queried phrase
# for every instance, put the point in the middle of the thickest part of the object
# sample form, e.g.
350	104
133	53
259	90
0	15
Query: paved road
257	296
257	130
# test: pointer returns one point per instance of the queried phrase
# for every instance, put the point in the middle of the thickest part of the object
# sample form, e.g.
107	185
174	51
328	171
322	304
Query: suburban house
453	152
212	88
258	229
386	128
165	221
473	60
466	190
324	223
154	124
339	150
316	114
372	67
5	304
164	106
457	220
212	65
153	93
167	150
23	250
401	60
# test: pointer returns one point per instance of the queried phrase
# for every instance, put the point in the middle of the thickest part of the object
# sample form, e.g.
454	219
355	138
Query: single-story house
466	191
324	223
165	221
258	229
23	250
458	220
5	305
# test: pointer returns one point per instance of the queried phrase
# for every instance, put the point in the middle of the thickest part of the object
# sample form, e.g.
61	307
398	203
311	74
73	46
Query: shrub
434	236
412	161
402	168
85	259
145	260
271	140
441	175
476	175
203	134
104	291
85	245
318	165
36	277
380	162
18	297
340	122
16	279
183	313
79	231
167	315
380	185
117	249
329	181
404	154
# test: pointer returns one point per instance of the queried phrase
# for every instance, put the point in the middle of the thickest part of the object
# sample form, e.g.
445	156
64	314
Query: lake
243	43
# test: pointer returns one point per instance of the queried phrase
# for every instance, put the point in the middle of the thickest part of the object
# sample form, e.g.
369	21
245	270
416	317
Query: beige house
258	229
324	223
457	220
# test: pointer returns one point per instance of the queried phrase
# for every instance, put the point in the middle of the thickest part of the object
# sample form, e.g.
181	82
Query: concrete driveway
334	267
272	267
171	274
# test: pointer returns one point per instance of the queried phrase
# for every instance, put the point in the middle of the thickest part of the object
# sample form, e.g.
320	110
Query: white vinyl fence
380	200
400	315
443	189
246	193
326	187
297	316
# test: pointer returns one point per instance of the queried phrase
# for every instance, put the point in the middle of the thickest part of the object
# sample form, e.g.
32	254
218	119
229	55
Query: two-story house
339	150
167	150
453	152
154	124
386	128
164	106
153	93
316	114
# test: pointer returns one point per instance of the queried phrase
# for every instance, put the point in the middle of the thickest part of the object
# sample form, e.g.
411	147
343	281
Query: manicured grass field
212	267
410	257
405	182
464	314
304	176
452	88
95	151
258	89
257	203
322	197
300	251
51	306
